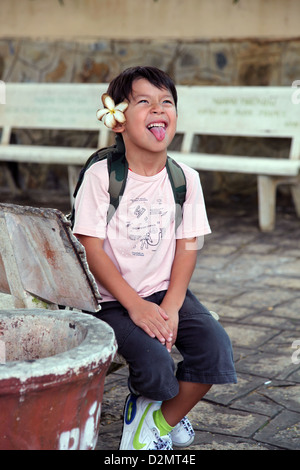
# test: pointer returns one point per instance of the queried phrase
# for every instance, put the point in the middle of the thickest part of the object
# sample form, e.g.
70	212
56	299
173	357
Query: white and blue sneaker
139	429
183	434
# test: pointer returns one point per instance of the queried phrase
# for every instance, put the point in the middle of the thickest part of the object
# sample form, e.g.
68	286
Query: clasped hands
158	321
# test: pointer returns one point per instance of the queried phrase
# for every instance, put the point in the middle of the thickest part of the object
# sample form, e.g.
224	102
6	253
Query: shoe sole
184	444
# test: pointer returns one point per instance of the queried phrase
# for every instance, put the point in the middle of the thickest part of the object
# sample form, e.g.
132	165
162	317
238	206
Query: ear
119	128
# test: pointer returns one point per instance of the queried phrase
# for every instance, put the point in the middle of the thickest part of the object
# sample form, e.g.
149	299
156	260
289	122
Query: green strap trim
137	444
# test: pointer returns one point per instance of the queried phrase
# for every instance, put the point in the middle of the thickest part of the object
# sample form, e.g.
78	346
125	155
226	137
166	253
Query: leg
207	358
189	395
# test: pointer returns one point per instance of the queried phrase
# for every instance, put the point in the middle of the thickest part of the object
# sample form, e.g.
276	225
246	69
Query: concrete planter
52	372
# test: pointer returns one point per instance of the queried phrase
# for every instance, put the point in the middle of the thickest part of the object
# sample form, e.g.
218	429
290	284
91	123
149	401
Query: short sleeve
194	222
92	202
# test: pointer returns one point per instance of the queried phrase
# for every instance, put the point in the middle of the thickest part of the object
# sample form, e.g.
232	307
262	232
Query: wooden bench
223	111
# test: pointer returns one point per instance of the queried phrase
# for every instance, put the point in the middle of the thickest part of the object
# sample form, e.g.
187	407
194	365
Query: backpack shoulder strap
117	170
178	183
99	155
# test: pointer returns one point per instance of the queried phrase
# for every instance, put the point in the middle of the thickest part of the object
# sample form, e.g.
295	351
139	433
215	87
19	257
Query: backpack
118	168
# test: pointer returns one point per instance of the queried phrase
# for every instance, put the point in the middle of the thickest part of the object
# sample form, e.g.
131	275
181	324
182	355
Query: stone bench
222	111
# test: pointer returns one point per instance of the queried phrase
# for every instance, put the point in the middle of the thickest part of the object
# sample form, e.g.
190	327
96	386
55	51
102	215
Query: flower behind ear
111	114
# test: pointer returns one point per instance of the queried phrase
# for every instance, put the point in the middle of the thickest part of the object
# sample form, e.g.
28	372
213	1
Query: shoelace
162	444
187	426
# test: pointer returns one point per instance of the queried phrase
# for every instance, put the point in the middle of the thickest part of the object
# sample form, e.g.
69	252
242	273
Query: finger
147	330
165	333
156	330
159	321
162	313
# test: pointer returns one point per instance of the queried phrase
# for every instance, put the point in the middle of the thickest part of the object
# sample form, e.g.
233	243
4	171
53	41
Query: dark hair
120	88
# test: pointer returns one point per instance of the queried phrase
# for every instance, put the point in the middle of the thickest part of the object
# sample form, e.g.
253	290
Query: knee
154	376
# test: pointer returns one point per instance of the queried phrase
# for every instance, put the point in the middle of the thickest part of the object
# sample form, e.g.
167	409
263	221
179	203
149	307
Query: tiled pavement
252	280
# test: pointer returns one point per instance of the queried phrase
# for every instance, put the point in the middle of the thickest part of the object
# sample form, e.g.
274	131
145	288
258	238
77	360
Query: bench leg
11	182
267	186
73	174
296	197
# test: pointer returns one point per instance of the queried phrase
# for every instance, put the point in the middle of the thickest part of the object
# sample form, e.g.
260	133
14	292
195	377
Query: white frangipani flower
111	114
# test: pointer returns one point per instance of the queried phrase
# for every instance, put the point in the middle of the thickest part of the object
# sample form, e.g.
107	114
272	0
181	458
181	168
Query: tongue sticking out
159	132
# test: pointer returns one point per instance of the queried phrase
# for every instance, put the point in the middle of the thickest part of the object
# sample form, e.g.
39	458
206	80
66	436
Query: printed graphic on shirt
148	224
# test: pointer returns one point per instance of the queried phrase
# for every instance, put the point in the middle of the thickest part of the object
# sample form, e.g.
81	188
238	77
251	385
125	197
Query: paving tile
288	396
230	393
214	418
270	320
213	441
283	343
227	312
262	298
269	366
109	436
283	283
283	431
291	268
249	336
257	403
289	309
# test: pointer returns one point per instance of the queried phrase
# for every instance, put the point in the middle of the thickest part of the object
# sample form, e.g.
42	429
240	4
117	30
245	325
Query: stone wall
224	63
189	63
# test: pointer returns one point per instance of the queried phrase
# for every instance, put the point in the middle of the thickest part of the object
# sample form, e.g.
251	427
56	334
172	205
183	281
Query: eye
168	101
143	101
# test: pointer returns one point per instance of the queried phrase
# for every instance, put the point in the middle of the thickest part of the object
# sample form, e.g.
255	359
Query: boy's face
151	118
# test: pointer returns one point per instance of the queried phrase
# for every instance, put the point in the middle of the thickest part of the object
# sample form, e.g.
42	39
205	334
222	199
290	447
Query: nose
157	108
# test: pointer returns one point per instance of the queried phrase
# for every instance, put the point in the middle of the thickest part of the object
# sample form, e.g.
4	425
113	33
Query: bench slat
239	164
45	155
199	161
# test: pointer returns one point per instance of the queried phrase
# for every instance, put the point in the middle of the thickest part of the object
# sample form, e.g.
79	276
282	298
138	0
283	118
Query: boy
143	267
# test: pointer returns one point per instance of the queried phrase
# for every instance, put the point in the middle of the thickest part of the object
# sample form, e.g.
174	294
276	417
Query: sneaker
139	429
183	434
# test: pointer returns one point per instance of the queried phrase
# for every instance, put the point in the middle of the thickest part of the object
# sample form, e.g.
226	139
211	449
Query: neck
146	164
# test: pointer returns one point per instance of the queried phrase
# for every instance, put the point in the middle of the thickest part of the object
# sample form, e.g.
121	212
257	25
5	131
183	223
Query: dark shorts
201	340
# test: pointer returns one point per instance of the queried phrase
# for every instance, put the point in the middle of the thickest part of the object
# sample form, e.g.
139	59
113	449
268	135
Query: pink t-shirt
140	236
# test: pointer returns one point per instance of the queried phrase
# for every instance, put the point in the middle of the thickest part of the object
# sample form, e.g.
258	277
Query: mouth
158	129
